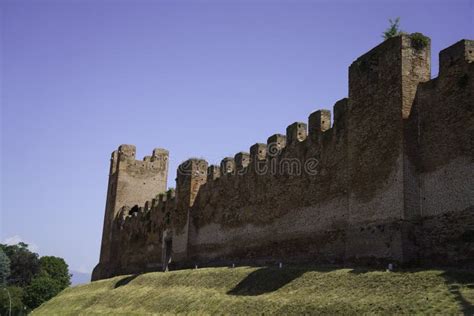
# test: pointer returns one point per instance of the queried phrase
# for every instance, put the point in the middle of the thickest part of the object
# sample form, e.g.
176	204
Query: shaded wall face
382	85
443	123
447	239
137	247
191	175
375	99
441	129
139	236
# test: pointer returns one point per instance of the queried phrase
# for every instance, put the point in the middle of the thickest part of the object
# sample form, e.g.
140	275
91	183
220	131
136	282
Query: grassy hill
291	290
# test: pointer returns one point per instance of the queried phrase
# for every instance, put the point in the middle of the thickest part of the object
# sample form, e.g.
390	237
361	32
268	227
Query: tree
4	268
393	29
40	290
16	295
57	269
35	280
24	264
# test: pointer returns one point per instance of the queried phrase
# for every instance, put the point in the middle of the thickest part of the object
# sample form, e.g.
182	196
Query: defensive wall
389	180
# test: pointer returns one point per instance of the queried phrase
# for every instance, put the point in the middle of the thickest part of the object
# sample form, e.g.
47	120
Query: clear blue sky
200	78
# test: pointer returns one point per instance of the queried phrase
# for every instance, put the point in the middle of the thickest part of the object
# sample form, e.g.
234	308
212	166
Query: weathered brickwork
131	183
389	180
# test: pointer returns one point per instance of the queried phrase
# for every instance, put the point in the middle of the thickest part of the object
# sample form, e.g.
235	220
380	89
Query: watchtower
131	182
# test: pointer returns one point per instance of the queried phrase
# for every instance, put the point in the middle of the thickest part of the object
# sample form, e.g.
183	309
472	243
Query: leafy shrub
57	269
419	41
40	290
393	30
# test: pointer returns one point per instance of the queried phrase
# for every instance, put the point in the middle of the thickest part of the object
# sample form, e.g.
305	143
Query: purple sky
200	78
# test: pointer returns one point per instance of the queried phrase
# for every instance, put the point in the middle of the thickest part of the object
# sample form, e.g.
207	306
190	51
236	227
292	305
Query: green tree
24	264
40	290
393	29
57	269
4	268
16	295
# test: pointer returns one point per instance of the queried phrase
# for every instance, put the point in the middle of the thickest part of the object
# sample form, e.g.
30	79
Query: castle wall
443	118
446	239
142	232
359	181
390	180
300	235
441	134
139	235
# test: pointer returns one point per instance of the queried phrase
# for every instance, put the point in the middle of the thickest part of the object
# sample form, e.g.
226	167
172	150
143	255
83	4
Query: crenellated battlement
340	114
124	158
319	121
227	166
296	132
455	56
153	210
258	151
343	187
113	162
213	173
242	160
275	145
126	152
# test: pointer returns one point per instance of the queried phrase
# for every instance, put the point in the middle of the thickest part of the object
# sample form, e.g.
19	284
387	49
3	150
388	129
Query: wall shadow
270	279
454	281
125	280
265	280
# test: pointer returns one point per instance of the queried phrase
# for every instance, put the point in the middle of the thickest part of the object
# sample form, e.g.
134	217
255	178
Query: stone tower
382	87
131	182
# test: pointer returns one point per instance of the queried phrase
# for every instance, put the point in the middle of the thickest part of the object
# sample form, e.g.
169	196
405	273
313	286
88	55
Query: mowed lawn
270	290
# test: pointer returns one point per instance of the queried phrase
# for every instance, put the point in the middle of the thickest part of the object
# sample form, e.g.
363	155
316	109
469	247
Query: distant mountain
80	278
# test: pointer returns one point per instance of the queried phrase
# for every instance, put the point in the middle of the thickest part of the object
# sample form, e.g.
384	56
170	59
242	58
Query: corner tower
131	182
382	88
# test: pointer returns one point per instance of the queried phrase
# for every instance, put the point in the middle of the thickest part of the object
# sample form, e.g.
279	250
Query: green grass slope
291	290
